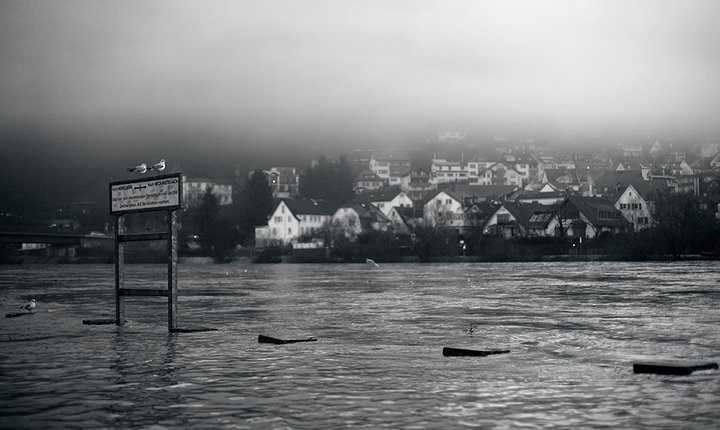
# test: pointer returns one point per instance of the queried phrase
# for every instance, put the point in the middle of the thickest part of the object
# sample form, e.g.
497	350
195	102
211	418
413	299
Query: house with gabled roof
359	217
499	174
515	218
589	217
561	179
546	196
390	164
416	183
367	180
628	165
444	208
483	193
385	199
283	181
612	181
292	218
636	202
442	171
403	220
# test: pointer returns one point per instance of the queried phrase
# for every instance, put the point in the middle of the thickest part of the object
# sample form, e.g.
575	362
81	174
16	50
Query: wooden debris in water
672	367
268	339
459	352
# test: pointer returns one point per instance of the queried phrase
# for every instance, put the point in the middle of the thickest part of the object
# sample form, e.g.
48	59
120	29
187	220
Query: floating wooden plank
672	367
143	292
459	352
191	330
17	314
99	322
276	341
142	237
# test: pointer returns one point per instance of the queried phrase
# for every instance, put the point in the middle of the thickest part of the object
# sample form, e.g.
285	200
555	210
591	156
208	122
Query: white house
367	180
293	218
386	200
635	207
444	208
442	171
389	165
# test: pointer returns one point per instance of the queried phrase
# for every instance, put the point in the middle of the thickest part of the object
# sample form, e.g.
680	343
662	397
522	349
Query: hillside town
516	191
450	199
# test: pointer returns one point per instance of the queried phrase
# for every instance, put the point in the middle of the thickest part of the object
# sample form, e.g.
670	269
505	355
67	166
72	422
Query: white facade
283	226
444	209
401	200
286	227
634	208
442	171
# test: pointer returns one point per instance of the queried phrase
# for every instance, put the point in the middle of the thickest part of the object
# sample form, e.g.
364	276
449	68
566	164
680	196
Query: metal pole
172	269
119	271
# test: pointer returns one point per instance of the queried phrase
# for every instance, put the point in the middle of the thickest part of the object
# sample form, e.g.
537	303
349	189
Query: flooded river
574	330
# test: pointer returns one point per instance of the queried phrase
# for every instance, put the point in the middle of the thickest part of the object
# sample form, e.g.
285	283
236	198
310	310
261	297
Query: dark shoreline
22	260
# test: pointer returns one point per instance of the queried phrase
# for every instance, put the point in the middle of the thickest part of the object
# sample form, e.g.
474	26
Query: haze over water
574	330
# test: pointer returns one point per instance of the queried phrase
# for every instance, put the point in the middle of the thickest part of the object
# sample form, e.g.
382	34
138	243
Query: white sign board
160	192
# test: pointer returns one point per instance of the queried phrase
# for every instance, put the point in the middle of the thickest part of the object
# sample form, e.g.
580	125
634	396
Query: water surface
574	330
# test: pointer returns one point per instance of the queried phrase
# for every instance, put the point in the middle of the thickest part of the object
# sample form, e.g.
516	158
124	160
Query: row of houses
506	211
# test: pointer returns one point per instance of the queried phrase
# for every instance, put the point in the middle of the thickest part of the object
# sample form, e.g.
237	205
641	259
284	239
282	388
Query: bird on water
139	169
371	262
470	330
29	306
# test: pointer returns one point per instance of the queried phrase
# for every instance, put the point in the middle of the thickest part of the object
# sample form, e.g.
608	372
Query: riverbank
292	259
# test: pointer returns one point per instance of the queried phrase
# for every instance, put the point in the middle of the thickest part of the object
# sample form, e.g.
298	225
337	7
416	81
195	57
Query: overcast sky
302	67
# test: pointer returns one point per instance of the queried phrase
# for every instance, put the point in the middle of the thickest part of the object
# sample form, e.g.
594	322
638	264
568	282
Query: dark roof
530	195
368	214
562	176
408	215
382	195
591	207
482	190
610	179
368	175
648	190
310	207
531	214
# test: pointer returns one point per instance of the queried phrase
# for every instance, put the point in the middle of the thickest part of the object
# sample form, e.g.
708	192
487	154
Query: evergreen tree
254	205
207	217
326	180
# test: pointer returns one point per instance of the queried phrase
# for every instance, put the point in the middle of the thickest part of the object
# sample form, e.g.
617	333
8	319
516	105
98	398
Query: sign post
154	194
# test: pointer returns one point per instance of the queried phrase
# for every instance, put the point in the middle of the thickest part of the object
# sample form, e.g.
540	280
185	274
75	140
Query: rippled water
574	330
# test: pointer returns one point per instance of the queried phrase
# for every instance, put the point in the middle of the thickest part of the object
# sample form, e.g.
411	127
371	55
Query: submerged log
191	329
459	352
672	367
99	322
268	339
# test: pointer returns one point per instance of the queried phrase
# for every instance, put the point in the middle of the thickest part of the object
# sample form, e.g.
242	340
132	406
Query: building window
448	201
503	218
289	230
274	231
278	219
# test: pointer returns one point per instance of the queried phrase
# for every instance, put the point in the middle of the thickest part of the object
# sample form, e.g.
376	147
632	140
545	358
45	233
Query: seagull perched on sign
142	168
28	306
160	166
